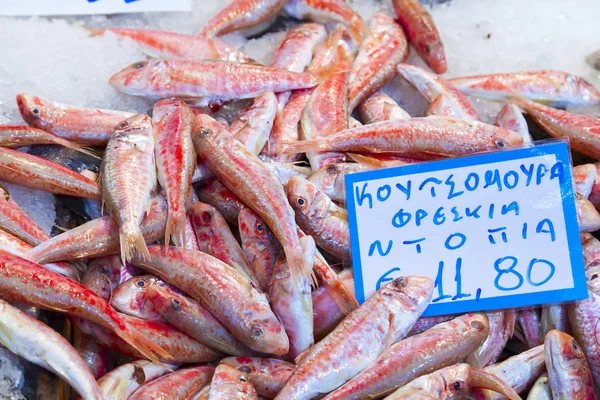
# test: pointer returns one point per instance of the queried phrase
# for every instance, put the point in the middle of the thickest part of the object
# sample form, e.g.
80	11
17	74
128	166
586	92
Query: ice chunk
11	376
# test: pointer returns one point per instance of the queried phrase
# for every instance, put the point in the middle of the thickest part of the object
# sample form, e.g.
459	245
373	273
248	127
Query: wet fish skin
39	344
253	125
103	276
259	245
568	372
380	107
85	126
187	315
175	161
267	375
377	58
13	136
546	86
251	16
555	316
206	81
360	338
128	177
99	359
131	298
178	385
530	322
231	383
425	323
37	173
327	312
123	381
511	117
330	178
26	282
443	345
422	33
213	192
247	177
541	389
224	291
318	216
99	237
182	348
161	44
215	238
501	328
443	106
16	222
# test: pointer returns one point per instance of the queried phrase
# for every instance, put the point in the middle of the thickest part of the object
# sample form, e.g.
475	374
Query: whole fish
131	298
230	383
178	385
41	345
182	348
510	117
128	177
259	245
324	11
249	16
224	291
213	192
437	136
443	106
16	222
454	382
215	238
84	126
568	372
360	338
422	33
501	328
380	107
246	176
377	58
327	312
519	372
541	389
431	86
584	316
16	246
98	359
531	327
582	131
12	136
121	382
37	173
443	345
23	281
330	178
187	315
547	86
254	123
267	375
175	161
318	216
291	301
103	276
206	81
99	237
161	44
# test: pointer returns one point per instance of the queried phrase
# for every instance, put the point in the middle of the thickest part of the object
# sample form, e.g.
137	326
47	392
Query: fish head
253	228
135	131
502	138
592	275
131	298
205	132
138	78
166	299
266	331
203	217
164	107
330	179
408	293
585	90
103	275
33	109
563	353
306	199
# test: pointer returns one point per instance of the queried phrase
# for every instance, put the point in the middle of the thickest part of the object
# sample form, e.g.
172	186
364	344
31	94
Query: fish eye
594	276
500	143
301	202
206	217
477	325
141	283
457	385
576	347
257	332
331	169
140	65
104	270
245	369
122	125
35	111
259	228
176	304
243	379
173	99
204	132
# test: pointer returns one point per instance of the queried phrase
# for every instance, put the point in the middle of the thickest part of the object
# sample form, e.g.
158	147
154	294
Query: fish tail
341	295
303	146
132	242
358	29
144	345
175	228
307	260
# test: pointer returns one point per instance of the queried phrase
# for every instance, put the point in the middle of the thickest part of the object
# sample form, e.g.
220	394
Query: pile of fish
214	257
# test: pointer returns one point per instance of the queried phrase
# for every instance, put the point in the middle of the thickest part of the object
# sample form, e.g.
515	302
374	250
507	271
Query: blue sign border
558	148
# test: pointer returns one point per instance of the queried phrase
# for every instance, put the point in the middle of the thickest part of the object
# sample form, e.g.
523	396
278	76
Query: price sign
496	230
89	7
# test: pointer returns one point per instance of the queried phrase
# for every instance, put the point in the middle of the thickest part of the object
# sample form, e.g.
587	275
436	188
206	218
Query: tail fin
132	241
307	243
369	162
147	347
344	299
358	29
303	146
175	228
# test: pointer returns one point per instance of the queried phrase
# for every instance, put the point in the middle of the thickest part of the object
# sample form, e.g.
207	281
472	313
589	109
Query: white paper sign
89	7
497	230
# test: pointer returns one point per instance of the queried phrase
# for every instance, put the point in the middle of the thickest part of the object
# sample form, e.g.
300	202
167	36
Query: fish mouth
484	380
